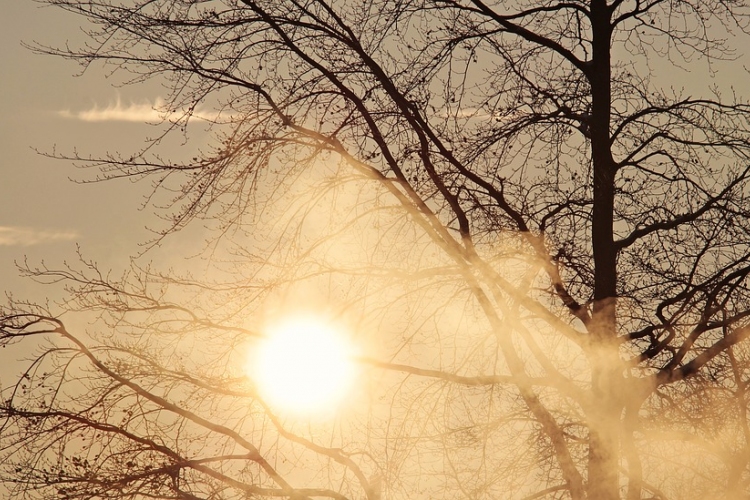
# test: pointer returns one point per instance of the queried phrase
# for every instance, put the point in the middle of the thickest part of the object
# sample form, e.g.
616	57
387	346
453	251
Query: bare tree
549	241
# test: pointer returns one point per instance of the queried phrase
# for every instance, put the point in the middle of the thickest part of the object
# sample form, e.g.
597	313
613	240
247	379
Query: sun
303	365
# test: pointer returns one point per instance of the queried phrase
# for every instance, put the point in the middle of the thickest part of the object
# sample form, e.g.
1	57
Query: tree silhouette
542	240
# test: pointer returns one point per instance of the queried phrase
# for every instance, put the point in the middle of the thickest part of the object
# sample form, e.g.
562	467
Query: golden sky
44	106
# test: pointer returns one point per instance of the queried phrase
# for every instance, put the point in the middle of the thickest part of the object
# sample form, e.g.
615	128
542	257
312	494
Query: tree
547	240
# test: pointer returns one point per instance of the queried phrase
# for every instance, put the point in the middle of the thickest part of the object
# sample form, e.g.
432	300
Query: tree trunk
606	372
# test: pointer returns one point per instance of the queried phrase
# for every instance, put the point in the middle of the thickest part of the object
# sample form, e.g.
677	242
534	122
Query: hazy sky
42	213
44	106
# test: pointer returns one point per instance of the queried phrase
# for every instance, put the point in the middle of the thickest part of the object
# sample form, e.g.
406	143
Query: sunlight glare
303	365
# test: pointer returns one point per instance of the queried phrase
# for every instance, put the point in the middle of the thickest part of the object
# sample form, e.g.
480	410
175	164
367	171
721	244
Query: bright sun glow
303	365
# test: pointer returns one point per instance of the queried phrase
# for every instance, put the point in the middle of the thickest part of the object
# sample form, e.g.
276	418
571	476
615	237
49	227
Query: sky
47	106
44	107
43	213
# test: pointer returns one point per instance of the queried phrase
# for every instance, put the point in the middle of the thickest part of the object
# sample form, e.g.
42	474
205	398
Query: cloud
117	111
142	112
26	236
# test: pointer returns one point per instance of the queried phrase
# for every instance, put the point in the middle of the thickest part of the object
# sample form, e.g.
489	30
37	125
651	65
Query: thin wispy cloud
117	111
139	112
27	236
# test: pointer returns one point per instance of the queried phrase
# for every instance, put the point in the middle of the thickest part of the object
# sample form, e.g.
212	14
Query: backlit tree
540	241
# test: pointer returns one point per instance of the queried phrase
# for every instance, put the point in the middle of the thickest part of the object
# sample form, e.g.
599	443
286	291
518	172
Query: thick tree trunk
605	255
606	373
